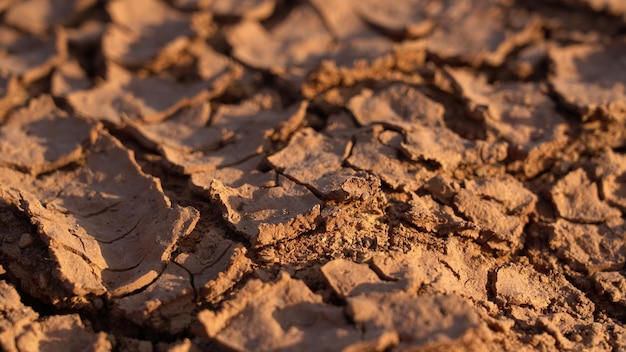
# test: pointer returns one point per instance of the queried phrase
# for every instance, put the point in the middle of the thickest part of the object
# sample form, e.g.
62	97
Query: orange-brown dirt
358	175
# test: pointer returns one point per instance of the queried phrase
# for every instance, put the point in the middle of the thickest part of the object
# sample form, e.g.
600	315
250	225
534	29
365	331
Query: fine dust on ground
358	175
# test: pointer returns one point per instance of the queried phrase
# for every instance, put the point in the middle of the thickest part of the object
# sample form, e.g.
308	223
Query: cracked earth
185	175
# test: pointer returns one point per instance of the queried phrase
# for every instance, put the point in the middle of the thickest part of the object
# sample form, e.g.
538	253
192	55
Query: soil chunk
610	171
522	114
589	79
292	49
143	29
41	138
78	218
479	31
576	199
28	57
398	106
289	310
150	99
316	160
252	126
371	155
401	19
377	305
589	247
39	16
267	215
21	328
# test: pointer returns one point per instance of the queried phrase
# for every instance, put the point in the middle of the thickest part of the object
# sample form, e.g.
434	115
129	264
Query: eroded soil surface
310	175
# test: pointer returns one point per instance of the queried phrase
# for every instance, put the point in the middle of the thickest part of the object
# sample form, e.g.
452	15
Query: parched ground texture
355	175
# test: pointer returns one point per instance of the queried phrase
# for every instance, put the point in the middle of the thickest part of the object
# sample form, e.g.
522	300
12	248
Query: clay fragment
401	19
576	199
249	9
589	247
611	171
41	138
369	154
252	126
216	271
267	215
497	208
150	99
361	52
77	215
558	308
166	304
12	93
519	284
589	79
186	130
21	328
28	57
376	305
449	150
292	49
234	176
286	315
316	160
67	78
479	31
15	316
423	322
39	16
455	266
60	332
398	106
143	29
612	285
519	113
501	223
428	215
349	279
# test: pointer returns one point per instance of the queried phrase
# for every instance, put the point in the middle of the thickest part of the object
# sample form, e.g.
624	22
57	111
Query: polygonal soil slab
590	78
28	57
109	227
141	29
246	9
148	98
186	130
398	106
360	51
371	155
21	328
292	49
590	247
479	31
252	126
447	149
41	138
376	305
520	113
576	199
611	172
412	18
39	16
286	315
498	208
268	215
316	160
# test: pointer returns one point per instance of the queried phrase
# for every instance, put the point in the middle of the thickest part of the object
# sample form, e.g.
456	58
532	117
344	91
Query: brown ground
355	175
